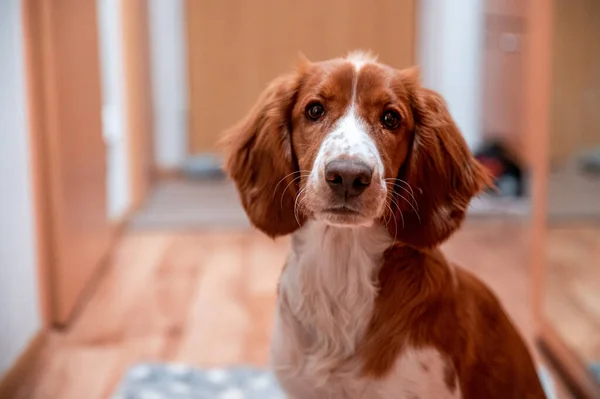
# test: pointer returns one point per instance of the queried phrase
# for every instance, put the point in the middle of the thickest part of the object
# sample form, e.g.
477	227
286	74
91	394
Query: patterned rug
174	381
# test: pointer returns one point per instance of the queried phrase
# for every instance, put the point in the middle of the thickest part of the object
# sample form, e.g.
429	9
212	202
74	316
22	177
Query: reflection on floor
572	301
207	298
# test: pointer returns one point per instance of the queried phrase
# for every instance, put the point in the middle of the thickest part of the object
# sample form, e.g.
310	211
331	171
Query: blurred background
126	261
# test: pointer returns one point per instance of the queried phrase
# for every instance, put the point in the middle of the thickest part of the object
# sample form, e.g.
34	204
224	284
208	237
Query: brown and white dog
370	173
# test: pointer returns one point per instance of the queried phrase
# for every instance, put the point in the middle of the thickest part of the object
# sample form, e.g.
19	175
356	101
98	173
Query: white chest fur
326	297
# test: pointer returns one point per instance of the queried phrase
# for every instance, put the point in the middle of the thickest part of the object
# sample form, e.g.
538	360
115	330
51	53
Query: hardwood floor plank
217	320
572	301
130	353
71	372
107	317
265	260
208	298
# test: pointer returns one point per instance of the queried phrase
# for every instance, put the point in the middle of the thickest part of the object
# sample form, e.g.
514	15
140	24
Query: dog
370	174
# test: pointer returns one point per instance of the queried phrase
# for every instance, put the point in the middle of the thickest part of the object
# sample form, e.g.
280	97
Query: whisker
393	200
387	220
288	185
402	216
409	186
411	192
302	203
303	190
389	197
412	206
395	221
286	176
389	217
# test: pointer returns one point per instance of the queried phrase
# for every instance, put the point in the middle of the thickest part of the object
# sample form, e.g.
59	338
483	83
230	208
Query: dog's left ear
261	162
440	170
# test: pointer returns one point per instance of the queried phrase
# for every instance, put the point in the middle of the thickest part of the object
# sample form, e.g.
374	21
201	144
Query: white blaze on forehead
349	138
360	58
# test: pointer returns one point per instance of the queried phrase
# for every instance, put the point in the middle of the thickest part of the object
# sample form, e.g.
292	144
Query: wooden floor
208	299
572	300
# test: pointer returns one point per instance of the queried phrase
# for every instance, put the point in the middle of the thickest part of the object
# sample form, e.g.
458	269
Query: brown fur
421	301
418	305
261	160
442	171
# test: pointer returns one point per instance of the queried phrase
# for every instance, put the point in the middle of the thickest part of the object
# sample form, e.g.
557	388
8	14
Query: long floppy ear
441	173
261	161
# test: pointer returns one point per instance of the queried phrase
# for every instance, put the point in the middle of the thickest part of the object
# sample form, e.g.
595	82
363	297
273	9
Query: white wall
114	123
169	81
450	46
19	312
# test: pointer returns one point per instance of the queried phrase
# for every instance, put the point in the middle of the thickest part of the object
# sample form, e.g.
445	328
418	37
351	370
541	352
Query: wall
503	69
235	51
113	111
575	85
450	52
19	313
169	82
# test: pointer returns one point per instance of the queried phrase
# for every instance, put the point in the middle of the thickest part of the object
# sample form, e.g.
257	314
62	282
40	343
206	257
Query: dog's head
353	142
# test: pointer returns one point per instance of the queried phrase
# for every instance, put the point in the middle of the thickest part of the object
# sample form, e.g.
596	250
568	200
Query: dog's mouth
342	211
343	216
324	204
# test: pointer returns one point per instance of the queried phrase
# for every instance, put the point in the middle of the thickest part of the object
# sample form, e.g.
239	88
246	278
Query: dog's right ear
261	161
440	171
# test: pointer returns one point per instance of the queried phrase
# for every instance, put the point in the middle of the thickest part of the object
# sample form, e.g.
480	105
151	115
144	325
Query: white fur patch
360	58
418	374
326	298
348	140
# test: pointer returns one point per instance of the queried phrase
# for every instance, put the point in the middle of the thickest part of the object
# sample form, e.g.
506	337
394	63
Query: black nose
348	177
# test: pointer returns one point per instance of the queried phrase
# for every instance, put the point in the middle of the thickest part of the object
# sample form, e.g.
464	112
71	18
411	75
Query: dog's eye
314	111
390	120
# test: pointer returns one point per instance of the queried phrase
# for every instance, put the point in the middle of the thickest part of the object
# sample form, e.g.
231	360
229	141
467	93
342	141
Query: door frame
135	20
37	75
538	74
42	118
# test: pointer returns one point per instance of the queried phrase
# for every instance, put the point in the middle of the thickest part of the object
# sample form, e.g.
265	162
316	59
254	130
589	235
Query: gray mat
191	204
173	381
159	381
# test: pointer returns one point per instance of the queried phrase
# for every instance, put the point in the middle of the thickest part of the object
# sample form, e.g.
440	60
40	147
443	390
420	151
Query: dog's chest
417	374
326	299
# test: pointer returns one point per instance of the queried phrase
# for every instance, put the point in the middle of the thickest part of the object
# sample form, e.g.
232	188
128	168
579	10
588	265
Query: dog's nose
348	177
